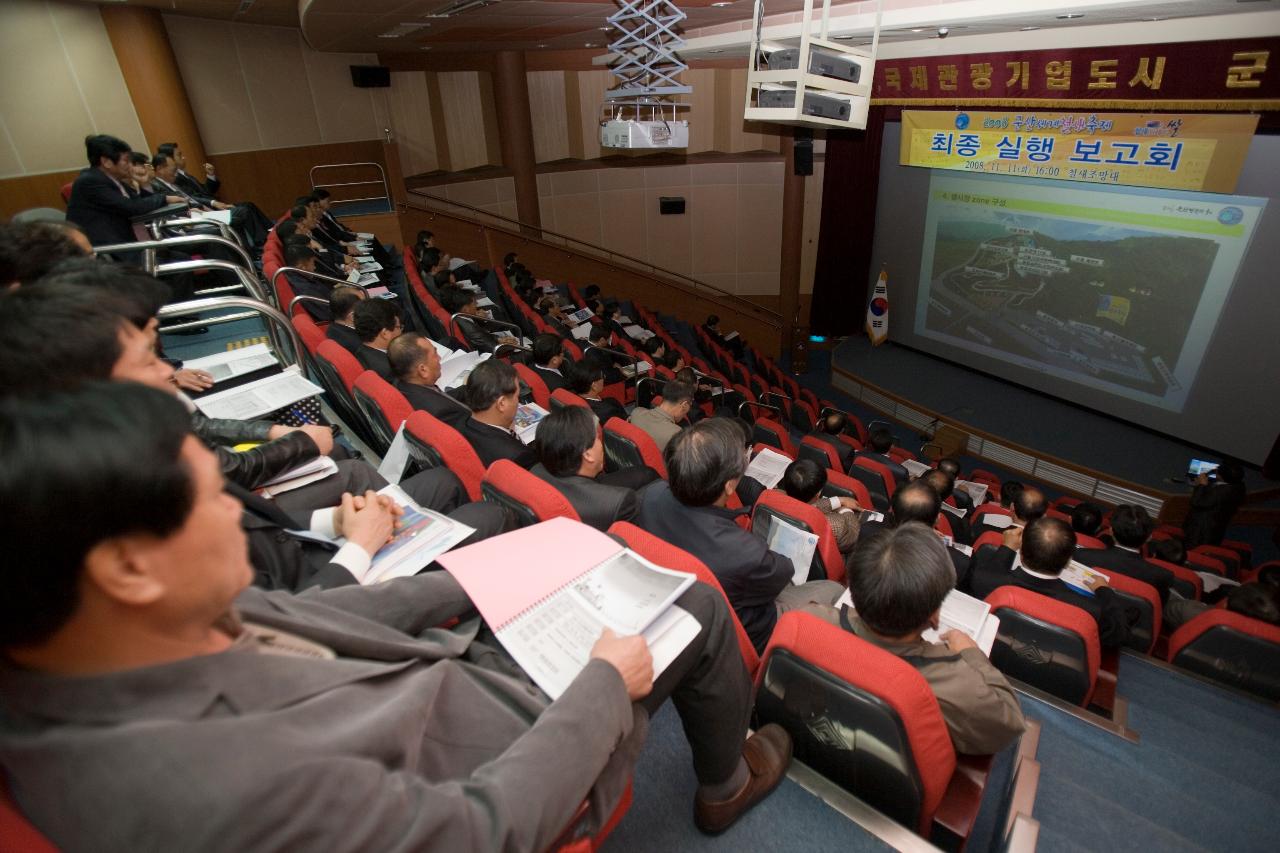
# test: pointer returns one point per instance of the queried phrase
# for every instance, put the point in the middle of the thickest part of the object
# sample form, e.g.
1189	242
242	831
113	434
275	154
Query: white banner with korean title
1197	152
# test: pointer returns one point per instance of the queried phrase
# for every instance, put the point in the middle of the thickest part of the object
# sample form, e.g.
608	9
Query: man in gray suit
149	698
571	458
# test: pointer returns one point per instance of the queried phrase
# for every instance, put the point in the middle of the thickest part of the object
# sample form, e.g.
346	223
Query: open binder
549	591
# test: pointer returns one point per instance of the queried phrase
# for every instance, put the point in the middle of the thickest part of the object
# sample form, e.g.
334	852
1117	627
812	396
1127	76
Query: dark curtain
842	272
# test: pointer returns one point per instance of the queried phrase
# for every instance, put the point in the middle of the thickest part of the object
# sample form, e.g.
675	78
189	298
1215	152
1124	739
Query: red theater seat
563	397
383	407
1232	649
819	451
310	333
774	434
437	444
530	498
776	504
842	485
886	476
868	721
541	395
628	446
1045	643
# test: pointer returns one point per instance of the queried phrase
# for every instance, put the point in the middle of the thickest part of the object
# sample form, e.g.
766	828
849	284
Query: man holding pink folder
152	698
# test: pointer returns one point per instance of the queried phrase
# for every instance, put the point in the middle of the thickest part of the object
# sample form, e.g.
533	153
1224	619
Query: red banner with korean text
1235	75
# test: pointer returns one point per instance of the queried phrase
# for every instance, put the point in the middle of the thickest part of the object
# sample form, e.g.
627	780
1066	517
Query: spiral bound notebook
549	590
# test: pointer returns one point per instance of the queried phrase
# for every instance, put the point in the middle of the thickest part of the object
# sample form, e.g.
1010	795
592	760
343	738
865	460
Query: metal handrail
256	308
227	232
295	300
313	274
386	188
247	279
767	316
635	362
174	242
745	403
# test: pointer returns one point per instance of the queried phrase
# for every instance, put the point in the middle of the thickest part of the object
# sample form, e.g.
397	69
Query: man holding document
150	697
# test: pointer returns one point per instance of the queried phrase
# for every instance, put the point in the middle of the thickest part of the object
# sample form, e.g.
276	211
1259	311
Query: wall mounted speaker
669	204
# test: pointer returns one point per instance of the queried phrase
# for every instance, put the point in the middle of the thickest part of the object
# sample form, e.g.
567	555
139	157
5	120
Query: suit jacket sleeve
980	708
1114	619
511	803
101	193
629	508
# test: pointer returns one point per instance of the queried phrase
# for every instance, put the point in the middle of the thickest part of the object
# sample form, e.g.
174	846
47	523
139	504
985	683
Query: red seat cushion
344	363
543	499
1221	618
649	451
395	408
456	452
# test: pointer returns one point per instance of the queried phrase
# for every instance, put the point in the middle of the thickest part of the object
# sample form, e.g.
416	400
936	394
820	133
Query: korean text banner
1201	152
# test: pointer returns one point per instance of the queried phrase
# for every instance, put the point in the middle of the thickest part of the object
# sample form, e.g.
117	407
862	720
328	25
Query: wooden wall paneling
343	112
725	107
463	119
702	109
489	115
812	221
27	191
273	178
435	103
385	226
411	121
574	123
744	135
549	114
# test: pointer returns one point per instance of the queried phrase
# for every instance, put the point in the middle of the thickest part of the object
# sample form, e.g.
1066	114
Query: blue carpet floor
661	816
1205	775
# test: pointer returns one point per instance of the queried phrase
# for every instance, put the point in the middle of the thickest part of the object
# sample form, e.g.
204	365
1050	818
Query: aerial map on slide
1103	300
1114	288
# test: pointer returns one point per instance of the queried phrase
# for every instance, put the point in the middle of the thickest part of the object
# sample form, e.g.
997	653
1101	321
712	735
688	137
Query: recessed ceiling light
842	38
917	29
425	47
589	44
720	4
543	45
1027	29
1153	19
1070	16
716	50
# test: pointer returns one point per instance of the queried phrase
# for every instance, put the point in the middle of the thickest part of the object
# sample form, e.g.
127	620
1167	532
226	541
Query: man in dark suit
100	204
1213	503
945	487
1033	558
377	324
1131	526
416	366
493	394
342	308
595	351
303	258
456	300
830	429
1028	504
881	441
704	464
951	467
571	458
548	359
586	379
208	187
246	216
918	501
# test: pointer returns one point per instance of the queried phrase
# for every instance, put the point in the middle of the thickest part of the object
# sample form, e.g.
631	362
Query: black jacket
900	474
188	184
344	336
436	403
607	364
606	408
103	212
1128	563
993	567
751	574
375	360
552	379
1212	507
305	285
492	443
597	504
281	561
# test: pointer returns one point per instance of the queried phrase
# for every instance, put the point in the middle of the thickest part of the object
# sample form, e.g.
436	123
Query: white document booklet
568	582
794	543
255	399
233	363
960	611
421	536
768	467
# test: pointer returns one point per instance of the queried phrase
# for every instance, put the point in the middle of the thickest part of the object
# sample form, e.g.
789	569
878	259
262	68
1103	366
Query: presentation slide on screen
1114	288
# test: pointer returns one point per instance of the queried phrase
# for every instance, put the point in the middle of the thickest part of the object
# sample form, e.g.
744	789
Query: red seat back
1229	559
382	405
1230	648
1181	573
310	333
1086	541
565	397
1206	562
991	537
831	459
991	508
1145	591
621	431
890	485
18	834
877	673
778	437
530	497
774	502
845	483
665	554
1059	664
343	363
450	449
541	395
